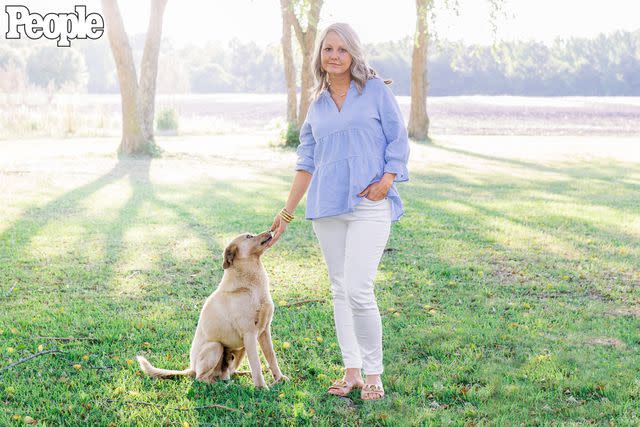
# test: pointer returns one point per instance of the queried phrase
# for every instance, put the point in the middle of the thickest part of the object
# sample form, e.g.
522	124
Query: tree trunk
307	40
132	137
418	127
149	68
306	83
137	100
289	67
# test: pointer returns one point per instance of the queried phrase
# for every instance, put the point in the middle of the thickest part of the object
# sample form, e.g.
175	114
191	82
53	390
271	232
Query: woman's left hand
375	191
379	189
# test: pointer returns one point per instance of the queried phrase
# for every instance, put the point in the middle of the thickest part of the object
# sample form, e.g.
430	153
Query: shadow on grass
208	211
593	171
472	234
433	242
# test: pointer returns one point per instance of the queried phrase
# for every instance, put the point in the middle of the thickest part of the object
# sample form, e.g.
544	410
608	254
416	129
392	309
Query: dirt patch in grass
625	311
606	341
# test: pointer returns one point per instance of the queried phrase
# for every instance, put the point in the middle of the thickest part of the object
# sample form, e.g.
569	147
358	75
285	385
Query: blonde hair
360	69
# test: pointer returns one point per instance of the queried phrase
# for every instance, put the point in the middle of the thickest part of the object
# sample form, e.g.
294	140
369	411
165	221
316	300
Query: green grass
509	293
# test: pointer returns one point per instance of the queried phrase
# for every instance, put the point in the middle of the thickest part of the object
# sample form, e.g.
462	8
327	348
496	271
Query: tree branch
149	67
33	356
68	338
296	25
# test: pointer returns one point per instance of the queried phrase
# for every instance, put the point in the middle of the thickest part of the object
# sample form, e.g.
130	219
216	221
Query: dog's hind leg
209	362
238	355
226	366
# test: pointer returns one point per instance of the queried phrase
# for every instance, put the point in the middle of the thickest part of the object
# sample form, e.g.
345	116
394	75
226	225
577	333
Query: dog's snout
266	237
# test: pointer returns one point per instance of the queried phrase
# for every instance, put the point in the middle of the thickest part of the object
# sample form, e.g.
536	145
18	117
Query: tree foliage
51	65
605	65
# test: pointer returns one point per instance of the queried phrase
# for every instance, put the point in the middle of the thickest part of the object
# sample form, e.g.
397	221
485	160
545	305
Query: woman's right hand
279	226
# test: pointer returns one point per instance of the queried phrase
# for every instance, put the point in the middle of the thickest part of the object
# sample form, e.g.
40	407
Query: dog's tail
163	373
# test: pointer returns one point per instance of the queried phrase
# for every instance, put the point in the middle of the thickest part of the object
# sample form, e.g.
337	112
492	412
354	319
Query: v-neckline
344	103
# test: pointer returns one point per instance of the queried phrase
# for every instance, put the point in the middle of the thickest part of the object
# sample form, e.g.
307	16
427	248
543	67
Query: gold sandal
375	391
342	388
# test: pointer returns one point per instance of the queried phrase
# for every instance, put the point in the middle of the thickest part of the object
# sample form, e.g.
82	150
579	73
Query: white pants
352	245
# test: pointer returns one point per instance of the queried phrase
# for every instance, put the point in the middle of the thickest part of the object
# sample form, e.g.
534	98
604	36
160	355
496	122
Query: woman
353	146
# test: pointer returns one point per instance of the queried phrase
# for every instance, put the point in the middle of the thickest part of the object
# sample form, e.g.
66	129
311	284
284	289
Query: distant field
99	115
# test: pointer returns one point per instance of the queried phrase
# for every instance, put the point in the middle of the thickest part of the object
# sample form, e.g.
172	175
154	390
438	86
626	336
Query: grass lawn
510	290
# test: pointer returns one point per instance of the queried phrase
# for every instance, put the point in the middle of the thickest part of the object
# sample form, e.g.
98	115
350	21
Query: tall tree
289	67
138	97
418	126
299	12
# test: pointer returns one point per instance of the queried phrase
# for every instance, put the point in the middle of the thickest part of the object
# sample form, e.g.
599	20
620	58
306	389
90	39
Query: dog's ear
229	255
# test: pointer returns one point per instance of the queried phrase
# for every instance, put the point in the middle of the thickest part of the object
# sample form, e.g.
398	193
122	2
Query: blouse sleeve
305	149
396	154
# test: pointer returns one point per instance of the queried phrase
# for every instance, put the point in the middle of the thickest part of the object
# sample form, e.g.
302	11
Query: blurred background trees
607	65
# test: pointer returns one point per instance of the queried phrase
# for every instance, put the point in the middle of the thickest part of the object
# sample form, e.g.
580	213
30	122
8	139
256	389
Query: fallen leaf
40	347
77	366
286	345
29	420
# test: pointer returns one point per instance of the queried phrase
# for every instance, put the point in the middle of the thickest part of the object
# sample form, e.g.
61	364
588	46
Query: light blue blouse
347	150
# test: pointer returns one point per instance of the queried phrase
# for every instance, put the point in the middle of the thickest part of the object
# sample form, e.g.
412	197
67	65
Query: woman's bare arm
299	186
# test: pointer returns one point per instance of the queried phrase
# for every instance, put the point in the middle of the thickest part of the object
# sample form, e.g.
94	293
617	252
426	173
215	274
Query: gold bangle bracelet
286	215
287	220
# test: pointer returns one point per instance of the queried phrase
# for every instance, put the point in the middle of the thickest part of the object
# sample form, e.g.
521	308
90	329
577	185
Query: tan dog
233	320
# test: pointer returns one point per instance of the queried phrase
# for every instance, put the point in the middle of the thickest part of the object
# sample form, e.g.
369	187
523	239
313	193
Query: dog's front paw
281	379
262	386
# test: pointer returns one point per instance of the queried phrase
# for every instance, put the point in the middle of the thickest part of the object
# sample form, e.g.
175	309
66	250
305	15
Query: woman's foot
342	388
372	389
351	380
